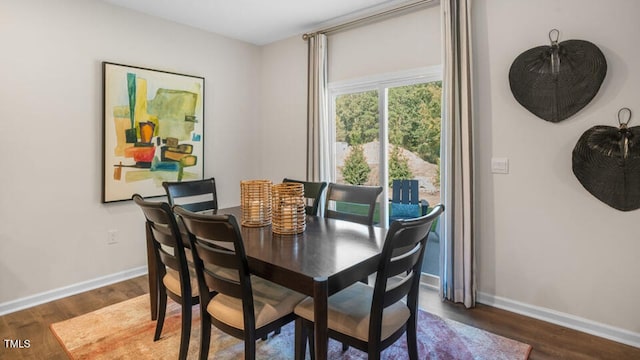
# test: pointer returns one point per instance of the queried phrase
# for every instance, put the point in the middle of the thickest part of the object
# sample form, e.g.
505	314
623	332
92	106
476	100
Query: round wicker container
288	209
255	202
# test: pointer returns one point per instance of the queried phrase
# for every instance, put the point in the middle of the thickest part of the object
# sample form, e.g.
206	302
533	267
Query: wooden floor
549	341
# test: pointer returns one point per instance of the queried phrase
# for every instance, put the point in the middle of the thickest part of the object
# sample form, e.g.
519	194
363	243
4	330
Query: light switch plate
500	165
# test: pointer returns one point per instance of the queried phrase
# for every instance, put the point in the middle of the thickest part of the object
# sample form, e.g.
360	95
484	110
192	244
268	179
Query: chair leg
277	332
412	342
157	297
345	347
185	334
300	340
249	348
312	339
162	310
205	337
374	356
374	351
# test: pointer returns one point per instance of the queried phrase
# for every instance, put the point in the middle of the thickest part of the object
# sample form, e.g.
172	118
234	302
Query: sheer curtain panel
457	252
318	150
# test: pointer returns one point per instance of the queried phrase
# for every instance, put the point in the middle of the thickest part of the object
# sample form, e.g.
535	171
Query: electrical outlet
112	237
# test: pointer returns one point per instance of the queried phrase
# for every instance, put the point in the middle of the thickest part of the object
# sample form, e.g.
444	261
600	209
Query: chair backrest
312	192
196	195
349	196
405	191
401	259
216	243
168	244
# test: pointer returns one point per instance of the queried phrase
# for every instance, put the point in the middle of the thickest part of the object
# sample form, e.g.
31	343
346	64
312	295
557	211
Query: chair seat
350	310
172	282
270	302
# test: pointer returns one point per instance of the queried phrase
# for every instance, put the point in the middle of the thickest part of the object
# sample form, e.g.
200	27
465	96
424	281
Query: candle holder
255	202
289	215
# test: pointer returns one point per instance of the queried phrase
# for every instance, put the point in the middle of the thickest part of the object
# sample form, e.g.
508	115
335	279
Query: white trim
562	319
383	150
398	78
430	281
59	293
332	138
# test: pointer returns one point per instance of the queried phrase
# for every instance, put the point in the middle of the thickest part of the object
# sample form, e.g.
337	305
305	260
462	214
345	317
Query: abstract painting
153	130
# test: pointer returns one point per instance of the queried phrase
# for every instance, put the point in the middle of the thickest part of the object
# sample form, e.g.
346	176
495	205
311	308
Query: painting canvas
153	130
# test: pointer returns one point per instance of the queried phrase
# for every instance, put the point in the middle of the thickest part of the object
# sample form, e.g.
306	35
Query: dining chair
312	193
405	201
373	318
356	203
246	307
195	195
176	281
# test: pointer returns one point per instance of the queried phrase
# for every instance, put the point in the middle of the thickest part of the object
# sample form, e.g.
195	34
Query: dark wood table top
339	251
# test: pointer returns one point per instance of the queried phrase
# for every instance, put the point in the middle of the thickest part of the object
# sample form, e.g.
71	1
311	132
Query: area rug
125	331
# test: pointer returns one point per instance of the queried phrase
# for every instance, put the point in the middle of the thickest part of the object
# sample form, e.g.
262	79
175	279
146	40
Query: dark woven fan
606	161
556	81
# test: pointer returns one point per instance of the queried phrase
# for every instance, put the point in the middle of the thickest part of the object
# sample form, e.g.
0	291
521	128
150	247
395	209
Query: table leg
152	274
320	325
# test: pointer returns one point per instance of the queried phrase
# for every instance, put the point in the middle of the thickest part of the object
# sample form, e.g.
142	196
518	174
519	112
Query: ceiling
257	21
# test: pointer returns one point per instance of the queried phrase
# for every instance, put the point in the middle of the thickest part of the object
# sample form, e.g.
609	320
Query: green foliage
414	118
398	165
356	170
357	117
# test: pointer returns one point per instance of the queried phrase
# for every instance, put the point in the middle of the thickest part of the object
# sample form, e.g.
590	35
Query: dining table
328	256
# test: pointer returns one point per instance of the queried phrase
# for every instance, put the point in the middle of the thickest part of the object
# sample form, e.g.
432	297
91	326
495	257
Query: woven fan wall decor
554	82
606	161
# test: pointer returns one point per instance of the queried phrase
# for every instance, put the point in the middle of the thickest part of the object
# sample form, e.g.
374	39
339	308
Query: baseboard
536	312
562	319
430	281
55	294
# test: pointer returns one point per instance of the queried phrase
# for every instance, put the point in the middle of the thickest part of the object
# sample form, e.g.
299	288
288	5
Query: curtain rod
371	18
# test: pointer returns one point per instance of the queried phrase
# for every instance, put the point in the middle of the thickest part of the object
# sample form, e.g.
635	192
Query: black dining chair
246	307
195	195
173	272
312	193
362	199
373	318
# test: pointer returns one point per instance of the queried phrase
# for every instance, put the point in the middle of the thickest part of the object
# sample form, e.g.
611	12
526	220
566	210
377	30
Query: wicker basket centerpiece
255	202
289	215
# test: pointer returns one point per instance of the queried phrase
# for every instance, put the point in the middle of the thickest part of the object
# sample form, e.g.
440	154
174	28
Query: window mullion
383	102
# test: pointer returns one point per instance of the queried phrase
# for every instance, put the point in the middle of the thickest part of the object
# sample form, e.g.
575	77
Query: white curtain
457	251
318	145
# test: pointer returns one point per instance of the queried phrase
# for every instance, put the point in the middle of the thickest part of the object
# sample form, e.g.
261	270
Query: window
388	127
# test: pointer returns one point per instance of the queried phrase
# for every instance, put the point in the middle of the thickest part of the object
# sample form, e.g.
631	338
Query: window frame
381	83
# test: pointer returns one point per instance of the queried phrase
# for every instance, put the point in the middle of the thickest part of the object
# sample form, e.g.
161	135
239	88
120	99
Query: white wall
542	239
544	245
53	227
283	115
